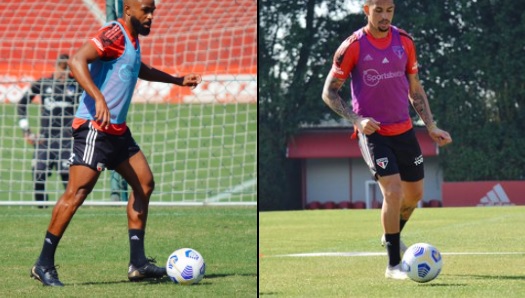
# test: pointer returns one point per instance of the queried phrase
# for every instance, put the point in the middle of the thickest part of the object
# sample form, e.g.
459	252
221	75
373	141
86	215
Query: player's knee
75	196
415	196
392	193
149	187
67	200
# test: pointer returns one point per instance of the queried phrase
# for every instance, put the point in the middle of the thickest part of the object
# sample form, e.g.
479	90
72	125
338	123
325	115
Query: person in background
59	94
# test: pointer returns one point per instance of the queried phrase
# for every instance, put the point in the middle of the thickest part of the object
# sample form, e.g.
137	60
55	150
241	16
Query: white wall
341	179
327	180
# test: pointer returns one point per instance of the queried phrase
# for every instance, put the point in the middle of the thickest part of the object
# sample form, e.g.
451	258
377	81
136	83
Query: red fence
483	193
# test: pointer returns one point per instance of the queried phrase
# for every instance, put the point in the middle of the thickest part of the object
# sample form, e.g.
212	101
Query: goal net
201	144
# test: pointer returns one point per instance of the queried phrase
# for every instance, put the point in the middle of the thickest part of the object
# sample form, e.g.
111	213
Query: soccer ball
422	262
185	266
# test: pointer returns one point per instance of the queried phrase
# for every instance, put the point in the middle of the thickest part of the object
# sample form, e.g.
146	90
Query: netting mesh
201	143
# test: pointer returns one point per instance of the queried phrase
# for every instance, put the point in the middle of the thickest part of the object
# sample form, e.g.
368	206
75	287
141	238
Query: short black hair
62	58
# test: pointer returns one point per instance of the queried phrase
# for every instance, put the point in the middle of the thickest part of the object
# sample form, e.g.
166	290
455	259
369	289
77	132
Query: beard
381	29
384	29
139	28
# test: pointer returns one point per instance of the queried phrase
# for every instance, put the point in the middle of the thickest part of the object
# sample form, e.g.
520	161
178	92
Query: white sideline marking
104	203
228	193
375	254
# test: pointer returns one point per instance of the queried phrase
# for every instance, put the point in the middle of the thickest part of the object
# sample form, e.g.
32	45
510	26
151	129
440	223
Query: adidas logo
135	237
368	58
495	197
385	61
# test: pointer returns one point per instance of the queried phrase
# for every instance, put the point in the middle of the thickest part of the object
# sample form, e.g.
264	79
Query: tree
471	56
472	59
296	45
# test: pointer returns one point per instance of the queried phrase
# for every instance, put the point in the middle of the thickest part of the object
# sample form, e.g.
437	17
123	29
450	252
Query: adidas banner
483	193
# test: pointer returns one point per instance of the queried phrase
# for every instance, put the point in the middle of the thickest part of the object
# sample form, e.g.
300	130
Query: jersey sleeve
345	58
109	42
28	96
35	89
410	49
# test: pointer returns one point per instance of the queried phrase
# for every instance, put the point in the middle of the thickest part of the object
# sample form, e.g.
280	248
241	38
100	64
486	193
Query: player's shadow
437	285
474	276
269	294
164	279
212	276
494	277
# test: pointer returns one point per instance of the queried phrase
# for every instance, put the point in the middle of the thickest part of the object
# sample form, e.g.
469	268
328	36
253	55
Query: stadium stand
221	31
217	39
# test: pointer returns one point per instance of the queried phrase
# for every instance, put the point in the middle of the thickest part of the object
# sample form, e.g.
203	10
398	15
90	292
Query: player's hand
439	136
30	137
191	80
367	125
102	115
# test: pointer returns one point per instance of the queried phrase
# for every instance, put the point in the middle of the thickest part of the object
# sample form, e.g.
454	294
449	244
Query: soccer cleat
47	276
395	273
148	270
402	246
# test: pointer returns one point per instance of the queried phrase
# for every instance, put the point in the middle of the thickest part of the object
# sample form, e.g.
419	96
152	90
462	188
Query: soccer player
381	60
107	67
59	94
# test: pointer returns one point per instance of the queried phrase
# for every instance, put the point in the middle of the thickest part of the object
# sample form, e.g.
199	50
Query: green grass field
483	253
93	254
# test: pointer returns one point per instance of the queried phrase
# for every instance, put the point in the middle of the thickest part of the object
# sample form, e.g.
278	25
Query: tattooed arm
419	101
332	98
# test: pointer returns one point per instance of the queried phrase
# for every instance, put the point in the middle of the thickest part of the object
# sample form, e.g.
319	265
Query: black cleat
47	276
148	270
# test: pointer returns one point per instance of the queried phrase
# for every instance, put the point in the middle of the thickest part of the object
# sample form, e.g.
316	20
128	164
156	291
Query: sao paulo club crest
382	162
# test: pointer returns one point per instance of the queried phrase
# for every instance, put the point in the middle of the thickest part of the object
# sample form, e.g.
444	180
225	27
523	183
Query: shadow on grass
165	279
475	276
441	285
494	277
123	281
211	276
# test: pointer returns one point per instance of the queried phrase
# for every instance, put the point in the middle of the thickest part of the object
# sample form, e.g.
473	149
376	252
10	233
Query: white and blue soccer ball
185	266
422	262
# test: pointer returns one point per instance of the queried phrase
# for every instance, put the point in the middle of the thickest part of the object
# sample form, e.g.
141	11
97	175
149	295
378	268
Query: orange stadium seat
187	36
345	205
359	205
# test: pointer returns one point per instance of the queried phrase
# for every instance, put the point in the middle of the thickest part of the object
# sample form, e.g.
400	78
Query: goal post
201	143
373	194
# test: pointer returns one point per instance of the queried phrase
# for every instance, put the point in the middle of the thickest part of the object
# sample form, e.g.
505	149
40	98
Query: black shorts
99	150
389	155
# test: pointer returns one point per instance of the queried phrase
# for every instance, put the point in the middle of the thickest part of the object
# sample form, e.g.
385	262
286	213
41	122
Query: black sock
136	248
402	223
47	255
392	246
